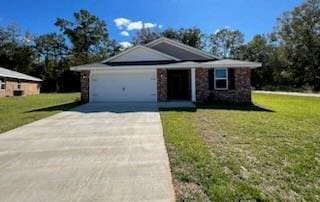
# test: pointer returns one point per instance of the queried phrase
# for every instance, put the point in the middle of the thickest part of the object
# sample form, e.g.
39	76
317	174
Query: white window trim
217	78
4	83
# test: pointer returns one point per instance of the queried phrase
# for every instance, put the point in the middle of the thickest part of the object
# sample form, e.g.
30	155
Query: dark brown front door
179	84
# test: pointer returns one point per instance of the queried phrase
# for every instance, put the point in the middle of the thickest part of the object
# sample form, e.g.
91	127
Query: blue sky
249	16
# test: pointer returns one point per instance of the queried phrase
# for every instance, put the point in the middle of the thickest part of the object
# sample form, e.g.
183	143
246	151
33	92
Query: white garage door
123	86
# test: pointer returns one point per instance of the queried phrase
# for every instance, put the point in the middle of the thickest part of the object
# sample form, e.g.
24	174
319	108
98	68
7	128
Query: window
19	85
2	84
221	79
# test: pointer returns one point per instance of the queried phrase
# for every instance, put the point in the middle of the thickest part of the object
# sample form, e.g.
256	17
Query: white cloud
129	25
125	44
121	22
135	25
149	25
124	33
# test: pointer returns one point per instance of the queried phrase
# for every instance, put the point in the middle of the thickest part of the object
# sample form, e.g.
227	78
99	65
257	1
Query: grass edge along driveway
227	153
17	111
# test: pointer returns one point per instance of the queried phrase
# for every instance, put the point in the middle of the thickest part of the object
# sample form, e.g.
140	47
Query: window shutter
211	79
231	79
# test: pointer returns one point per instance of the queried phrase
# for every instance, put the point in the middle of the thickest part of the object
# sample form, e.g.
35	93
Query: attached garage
123	86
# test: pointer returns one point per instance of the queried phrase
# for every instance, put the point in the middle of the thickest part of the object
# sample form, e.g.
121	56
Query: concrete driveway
97	152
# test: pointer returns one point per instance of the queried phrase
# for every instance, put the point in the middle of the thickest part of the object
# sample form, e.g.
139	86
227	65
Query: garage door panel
123	86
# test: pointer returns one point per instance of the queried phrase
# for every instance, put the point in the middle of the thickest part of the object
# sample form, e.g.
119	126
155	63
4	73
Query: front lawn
17	111
270	151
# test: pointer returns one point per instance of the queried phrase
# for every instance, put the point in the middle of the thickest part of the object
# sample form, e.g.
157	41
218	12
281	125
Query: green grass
17	111
270	151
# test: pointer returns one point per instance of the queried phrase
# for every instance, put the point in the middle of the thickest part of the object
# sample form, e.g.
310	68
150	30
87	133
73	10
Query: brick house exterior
166	70
14	83
84	85
162	85
240	94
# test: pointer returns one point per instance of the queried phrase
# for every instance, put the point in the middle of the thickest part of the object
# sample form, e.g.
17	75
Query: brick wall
202	84
241	94
28	87
162	84
84	83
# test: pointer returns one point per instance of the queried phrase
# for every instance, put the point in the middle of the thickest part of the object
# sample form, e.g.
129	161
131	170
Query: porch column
193	85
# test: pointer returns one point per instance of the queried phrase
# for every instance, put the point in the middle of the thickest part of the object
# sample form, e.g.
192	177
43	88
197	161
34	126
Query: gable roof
188	50
148	54
147	57
17	75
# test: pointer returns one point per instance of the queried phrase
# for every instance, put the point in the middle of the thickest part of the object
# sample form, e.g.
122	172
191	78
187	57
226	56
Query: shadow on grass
179	109
215	106
221	106
62	107
231	106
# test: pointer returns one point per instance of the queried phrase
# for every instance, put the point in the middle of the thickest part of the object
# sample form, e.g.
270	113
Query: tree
52	53
7	47
144	36
260	49
15	50
189	36
171	34
88	35
113	48
226	43
299	35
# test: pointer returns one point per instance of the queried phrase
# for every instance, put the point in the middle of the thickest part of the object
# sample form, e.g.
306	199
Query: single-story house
15	83
165	70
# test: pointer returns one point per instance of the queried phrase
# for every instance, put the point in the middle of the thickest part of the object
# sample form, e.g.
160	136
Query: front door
178	84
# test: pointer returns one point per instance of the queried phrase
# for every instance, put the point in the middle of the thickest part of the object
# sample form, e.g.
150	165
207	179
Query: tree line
49	56
290	54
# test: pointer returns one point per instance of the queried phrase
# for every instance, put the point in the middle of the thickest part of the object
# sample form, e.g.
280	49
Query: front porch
176	85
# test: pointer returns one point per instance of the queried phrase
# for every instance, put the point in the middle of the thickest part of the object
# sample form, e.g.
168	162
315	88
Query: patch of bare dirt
188	191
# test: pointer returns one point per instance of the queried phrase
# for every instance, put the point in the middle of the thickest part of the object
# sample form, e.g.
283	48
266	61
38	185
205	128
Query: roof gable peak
143	52
182	46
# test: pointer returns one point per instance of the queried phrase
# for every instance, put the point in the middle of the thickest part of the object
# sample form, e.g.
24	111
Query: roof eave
252	66
20	78
165	66
100	66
